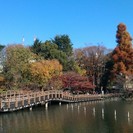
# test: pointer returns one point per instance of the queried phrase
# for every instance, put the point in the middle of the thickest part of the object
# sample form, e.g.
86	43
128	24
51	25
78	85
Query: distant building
1	67
129	82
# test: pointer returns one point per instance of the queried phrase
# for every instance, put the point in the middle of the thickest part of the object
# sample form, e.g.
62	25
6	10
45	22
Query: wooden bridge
16	100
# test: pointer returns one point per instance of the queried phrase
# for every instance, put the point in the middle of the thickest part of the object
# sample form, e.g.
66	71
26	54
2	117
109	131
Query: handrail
16	100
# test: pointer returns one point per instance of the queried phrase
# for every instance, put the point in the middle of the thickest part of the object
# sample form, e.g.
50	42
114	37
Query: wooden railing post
0	103
55	95
10	94
28	98
48	95
22	100
39	96
16	103
14	94
8	103
34	97
6	95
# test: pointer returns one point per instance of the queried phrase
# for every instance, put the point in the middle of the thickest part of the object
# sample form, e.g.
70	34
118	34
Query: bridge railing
18	99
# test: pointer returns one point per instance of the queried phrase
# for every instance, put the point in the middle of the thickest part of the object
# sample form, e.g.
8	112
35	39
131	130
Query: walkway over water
16	100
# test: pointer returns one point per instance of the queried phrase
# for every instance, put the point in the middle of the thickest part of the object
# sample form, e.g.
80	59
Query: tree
60	48
76	82
2	79
55	83
1	47
41	72
106	78
36	47
93	60
64	44
122	55
49	50
1	57
16	64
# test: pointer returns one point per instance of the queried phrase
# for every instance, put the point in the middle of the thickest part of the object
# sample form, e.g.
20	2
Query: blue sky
87	22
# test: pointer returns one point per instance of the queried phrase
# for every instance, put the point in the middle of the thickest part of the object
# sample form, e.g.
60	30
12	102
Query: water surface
89	117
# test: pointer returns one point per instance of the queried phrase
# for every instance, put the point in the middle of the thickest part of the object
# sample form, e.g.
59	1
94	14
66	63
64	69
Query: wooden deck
17	100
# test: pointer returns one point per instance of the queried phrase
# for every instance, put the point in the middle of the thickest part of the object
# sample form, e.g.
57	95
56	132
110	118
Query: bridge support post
46	105
30	108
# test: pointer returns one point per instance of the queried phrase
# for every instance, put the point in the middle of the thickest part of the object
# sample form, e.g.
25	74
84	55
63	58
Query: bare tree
92	59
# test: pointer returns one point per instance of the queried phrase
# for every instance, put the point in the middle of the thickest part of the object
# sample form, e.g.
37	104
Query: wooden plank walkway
16	100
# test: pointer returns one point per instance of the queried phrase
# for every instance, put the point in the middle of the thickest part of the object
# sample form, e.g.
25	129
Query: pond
88	117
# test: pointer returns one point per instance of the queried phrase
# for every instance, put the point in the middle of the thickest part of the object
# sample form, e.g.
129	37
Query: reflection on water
89	117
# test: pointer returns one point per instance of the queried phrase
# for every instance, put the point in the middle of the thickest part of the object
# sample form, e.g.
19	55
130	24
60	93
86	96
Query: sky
86	22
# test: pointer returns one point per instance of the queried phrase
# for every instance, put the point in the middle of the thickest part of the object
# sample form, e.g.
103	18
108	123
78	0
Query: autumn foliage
16	64
42	65
92	59
123	54
55	83
42	71
75	82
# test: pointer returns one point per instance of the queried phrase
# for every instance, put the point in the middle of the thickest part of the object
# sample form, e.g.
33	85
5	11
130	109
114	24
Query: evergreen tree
36	47
1	47
59	48
64	44
49	50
